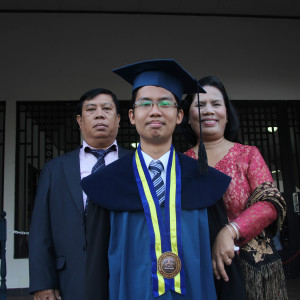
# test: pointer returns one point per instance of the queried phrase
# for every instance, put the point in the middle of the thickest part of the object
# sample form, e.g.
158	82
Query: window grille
127	135
259	127
48	129
44	130
293	111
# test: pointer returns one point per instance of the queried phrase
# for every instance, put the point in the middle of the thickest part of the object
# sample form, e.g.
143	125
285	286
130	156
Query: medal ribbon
162	238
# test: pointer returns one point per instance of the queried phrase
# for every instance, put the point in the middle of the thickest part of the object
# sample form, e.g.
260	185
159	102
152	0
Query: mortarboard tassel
202	157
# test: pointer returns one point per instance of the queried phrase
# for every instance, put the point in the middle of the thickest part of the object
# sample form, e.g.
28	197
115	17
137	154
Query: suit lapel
71	169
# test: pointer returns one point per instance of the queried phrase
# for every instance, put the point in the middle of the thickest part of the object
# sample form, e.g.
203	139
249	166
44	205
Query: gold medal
169	265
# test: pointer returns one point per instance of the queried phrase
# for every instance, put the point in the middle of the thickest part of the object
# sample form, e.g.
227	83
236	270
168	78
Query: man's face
99	121
155	124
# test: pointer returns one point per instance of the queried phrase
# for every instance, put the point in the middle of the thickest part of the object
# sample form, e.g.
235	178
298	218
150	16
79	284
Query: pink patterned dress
247	168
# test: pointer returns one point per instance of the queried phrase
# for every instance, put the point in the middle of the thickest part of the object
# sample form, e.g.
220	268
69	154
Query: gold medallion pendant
169	265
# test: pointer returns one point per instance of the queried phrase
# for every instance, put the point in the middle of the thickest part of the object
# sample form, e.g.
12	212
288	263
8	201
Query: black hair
232	118
91	94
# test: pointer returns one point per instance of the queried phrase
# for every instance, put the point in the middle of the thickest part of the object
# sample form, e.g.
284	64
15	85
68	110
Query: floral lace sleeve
261	214
254	219
248	170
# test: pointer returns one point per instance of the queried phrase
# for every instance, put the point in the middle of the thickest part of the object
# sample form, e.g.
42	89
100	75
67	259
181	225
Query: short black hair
91	94
232	118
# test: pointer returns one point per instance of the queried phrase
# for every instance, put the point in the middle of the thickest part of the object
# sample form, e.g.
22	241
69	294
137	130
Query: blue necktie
157	167
100	164
100	154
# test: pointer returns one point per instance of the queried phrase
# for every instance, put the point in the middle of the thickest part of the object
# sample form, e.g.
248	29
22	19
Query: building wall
60	56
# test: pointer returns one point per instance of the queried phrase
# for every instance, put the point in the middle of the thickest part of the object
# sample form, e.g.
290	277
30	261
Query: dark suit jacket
57	242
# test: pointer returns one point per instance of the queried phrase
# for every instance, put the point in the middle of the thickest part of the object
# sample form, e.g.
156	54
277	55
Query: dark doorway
274	127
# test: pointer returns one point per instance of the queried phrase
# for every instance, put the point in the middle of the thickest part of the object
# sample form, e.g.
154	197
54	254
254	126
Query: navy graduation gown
129	246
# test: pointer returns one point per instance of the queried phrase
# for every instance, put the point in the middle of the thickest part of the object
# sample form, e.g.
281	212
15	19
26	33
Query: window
44	130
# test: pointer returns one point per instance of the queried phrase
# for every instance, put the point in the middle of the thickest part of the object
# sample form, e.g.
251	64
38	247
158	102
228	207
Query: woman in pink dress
254	205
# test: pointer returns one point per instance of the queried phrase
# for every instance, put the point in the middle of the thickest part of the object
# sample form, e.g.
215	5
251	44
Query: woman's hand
223	252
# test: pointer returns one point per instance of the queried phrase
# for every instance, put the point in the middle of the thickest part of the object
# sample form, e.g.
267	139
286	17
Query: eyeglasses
148	104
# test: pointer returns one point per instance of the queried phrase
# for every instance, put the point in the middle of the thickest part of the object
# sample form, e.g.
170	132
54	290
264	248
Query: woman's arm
260	214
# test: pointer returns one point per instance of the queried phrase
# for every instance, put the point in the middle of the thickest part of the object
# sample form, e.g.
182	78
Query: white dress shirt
87	161
164	160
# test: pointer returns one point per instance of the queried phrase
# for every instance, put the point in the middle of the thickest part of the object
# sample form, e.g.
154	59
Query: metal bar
242	128
3	237
273	135
17	189
3	234
296	143
275	158
268	143
3	105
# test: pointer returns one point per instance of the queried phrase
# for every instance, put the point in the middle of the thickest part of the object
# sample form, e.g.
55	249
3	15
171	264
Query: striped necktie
100	155
156	167
100	164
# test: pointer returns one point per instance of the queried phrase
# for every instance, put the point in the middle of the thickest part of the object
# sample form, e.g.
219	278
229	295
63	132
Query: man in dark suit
57	241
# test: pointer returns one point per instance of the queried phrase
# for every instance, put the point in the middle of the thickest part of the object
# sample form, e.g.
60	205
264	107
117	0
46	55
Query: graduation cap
165	73
168	74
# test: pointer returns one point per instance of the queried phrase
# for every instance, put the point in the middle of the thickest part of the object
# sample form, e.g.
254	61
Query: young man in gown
162	222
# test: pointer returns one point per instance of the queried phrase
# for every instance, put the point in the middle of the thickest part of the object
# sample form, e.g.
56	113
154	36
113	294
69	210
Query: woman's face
213	114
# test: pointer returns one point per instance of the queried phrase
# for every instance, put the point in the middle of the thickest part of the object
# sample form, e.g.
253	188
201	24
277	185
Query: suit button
83	248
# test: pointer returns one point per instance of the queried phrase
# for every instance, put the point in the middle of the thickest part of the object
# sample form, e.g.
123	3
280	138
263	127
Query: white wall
60	56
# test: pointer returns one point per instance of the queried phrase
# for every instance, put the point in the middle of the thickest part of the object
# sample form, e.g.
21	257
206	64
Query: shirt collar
164	159
85	144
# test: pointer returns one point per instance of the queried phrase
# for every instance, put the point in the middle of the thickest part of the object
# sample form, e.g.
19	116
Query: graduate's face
99	121
155	124
213	114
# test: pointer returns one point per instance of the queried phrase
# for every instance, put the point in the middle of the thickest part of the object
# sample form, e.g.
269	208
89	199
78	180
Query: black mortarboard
168	74
165	73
